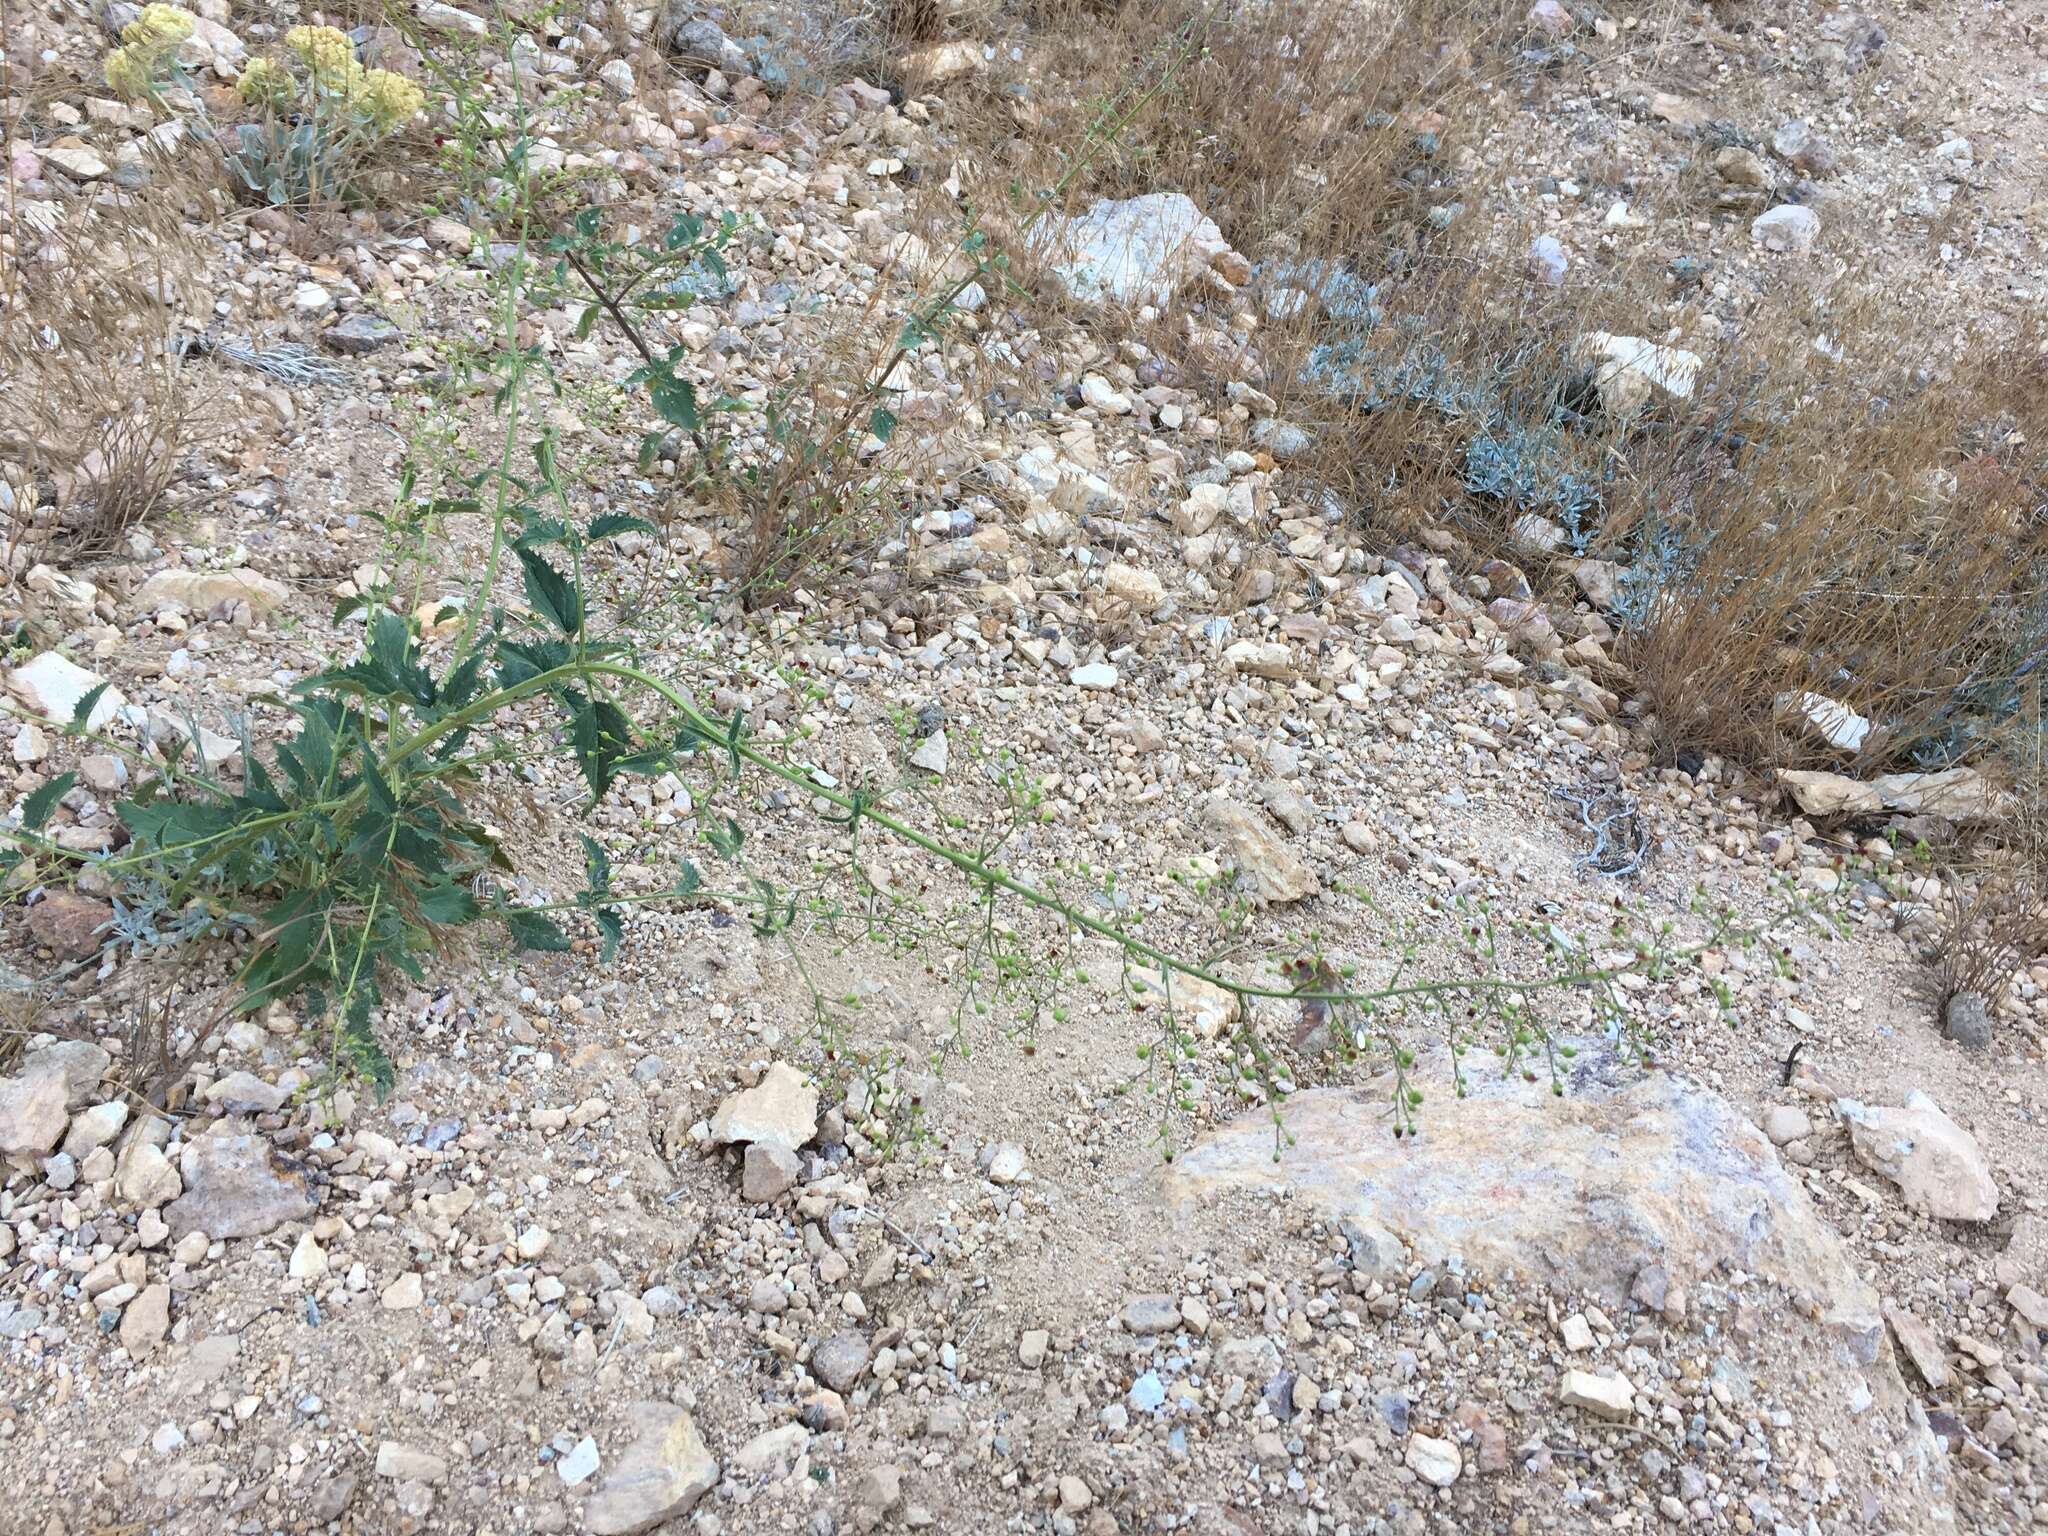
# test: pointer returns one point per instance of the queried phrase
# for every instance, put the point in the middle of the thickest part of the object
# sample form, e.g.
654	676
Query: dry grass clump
100	408
1861	519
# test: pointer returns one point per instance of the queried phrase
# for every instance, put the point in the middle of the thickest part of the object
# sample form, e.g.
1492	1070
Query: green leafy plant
634	283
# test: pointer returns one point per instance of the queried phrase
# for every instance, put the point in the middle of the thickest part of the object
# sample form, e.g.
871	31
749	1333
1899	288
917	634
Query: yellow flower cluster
158	25
384	99
143	65
327	54
264	83
129	74
390	99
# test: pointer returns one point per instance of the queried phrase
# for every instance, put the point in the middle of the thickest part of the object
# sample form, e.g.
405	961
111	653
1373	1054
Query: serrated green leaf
551	593
365	1054
612	524
675	401
597	868
538	531
37	808
725	835
81	716
520	660
533	930
613	929
602	737
381	793
168	825
447	904
882	423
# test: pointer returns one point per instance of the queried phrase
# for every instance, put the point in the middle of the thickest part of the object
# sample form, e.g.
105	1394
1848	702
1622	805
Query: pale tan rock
202	591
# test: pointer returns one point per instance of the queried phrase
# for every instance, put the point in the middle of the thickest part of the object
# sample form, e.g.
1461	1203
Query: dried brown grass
101	408
1869	528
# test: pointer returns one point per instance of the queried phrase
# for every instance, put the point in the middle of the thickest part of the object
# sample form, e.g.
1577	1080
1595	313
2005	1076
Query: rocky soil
643	1246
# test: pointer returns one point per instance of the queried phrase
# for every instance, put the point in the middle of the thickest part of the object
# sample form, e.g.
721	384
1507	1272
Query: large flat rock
1583	1191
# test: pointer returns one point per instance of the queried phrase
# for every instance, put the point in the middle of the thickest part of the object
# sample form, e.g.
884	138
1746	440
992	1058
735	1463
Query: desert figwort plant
631	284
352	850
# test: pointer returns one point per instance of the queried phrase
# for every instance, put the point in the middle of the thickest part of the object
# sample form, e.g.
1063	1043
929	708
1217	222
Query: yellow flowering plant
145	66
321	115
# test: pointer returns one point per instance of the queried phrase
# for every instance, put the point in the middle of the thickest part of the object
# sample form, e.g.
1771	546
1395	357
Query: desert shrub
322	121
1858	517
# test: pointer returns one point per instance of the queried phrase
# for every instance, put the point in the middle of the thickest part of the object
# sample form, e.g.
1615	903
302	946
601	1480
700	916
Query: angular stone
1786	1123
781	1109
202	591
355	335
408	1464
1956	794
1006	1163
1266	867
238	1185
1272	659
772	1452
580	1465
1150	1314
932	754
145	1321
2029	1303
1799	146
769	1170
95	1127
1255	1359
32	1114
69	922
839	1361
78	1064
445	234
660	1476
144	1177
1610	1397
1937	1165
1966	1019
308	1260
1741	167
1789	227
1436	1462
1199	1005
1920	1345
75	161
1134	585
1137	251
53	687
1630	372
241	1093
